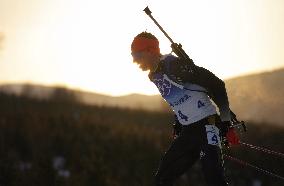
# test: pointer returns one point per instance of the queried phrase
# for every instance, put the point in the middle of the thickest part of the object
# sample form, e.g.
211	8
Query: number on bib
214	138
200	104
213	135
182	116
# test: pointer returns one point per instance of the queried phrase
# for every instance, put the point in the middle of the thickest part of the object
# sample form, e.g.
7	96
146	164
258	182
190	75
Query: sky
85	44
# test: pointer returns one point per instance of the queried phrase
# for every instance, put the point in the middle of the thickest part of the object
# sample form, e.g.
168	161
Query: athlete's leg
212	162
181	155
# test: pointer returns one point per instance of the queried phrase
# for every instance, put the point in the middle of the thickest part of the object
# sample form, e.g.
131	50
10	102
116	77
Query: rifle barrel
148	12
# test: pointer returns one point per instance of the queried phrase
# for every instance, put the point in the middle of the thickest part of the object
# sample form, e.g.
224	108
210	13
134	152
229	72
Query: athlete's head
145	51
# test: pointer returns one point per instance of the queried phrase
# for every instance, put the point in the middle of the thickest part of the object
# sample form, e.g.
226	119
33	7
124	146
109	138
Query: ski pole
244	163
262	149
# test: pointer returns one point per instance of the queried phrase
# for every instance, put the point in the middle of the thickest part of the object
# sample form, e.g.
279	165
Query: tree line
59	141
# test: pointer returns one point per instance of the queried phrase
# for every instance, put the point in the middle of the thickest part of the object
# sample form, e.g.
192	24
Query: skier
198	127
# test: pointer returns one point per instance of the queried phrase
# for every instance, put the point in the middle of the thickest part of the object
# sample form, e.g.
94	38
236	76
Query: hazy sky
85	44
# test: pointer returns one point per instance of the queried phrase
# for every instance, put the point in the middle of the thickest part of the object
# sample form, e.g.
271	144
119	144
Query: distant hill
133	101
256	97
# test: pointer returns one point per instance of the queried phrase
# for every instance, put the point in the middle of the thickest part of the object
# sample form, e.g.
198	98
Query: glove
228	133
232	137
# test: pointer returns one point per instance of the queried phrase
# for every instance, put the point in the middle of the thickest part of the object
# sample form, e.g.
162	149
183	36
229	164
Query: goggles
137	56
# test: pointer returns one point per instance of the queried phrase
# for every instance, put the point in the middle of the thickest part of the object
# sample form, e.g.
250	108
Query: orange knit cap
141	44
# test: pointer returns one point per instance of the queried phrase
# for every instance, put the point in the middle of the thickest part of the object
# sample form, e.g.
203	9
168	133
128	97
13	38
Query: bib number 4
213	137
182	116
200	104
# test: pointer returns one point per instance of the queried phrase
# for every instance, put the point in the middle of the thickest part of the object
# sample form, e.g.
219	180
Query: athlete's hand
228	134
232	137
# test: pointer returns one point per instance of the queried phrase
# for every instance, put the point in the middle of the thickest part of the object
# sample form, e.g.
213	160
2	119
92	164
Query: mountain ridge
256	97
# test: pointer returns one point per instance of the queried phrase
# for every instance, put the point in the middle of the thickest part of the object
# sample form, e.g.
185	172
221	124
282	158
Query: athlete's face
146	60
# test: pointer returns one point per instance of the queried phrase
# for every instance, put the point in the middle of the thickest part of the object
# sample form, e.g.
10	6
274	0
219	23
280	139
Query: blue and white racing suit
188	96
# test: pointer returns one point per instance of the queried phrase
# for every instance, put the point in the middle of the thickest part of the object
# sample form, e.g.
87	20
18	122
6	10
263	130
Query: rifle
176	48
237	123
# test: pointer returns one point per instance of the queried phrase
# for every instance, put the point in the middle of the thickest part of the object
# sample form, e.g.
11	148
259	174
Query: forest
60	141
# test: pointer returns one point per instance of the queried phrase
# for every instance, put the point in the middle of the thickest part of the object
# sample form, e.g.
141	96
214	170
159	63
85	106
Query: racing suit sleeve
215	87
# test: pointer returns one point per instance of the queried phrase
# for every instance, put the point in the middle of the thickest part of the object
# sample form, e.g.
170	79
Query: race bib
213	137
